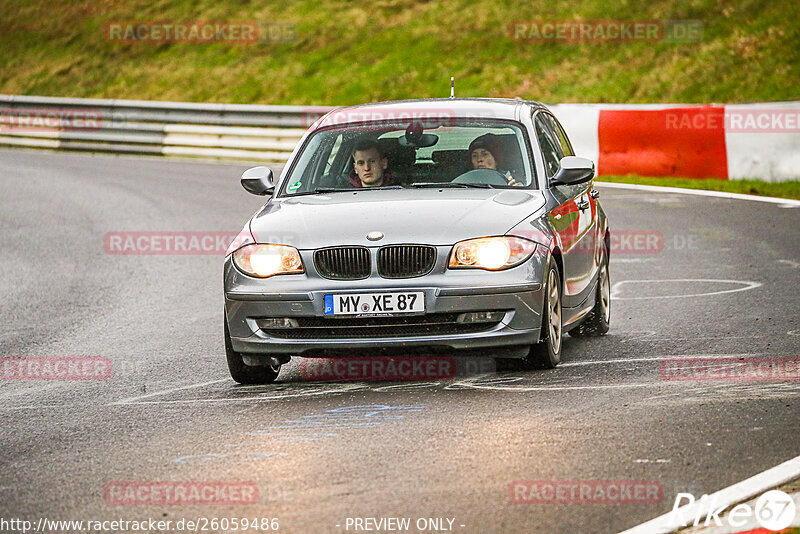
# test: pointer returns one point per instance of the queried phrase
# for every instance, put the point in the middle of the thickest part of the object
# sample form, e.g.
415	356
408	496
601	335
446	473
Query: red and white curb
759	141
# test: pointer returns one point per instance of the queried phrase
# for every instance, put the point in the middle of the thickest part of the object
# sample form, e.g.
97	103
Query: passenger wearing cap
485	153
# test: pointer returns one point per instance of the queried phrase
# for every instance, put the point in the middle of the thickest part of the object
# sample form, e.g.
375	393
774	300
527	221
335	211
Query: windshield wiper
344	190
452	184
322	190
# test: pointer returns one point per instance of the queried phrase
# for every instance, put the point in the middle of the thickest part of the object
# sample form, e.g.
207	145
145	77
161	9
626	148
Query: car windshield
453	153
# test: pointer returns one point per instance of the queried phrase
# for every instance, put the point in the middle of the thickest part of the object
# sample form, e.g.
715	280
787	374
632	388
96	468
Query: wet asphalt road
724	283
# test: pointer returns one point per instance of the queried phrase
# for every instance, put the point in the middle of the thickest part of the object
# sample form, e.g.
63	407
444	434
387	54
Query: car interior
443	165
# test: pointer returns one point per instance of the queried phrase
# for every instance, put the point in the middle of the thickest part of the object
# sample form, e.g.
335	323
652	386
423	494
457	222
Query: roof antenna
452	87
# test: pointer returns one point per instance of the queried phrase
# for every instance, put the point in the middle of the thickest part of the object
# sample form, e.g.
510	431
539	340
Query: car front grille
405	261
374	327
343	263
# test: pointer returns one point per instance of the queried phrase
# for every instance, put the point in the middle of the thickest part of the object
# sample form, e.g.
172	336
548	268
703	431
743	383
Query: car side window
551	149
561	135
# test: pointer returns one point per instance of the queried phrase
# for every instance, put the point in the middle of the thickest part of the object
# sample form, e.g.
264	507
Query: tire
597	322
547	353
247	374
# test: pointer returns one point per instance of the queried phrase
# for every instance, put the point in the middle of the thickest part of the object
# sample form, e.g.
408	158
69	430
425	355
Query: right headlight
491	253
263	261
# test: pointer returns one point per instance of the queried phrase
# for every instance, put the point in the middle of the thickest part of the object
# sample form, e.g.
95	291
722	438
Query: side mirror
573	170
258	180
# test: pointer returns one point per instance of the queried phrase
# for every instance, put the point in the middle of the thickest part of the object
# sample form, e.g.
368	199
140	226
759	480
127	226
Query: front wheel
547	353
247	374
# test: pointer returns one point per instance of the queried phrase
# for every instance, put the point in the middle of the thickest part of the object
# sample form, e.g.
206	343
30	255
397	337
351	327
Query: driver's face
483	159
369	166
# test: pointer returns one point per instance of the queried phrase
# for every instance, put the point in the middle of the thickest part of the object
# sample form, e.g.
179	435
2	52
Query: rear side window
551	148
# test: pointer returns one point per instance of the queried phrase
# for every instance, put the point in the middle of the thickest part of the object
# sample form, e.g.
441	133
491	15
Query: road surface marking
310	393
164	392
658	358
739	492
784	202
747	285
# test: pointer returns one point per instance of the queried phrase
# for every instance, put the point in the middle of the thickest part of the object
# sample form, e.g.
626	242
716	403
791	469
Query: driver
369	166
485	153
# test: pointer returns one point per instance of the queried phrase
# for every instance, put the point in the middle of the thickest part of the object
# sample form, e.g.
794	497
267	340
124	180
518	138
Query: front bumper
516	292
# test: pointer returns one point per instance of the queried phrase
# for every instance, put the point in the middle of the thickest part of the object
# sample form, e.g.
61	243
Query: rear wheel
596	323
547	353
247	374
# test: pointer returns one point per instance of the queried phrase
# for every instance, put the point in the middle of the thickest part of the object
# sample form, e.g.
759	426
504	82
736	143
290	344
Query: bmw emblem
375	236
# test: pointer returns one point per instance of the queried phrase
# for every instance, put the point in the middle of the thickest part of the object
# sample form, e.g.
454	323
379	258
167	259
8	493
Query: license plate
375	303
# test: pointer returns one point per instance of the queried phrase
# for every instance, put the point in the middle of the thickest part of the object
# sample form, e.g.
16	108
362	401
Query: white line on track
164	392
784	202
349	388
360	387
682	338
659	358
309	393
746	286
471	385
736	493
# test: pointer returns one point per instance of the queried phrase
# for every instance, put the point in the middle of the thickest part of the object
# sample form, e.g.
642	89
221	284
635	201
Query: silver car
417	227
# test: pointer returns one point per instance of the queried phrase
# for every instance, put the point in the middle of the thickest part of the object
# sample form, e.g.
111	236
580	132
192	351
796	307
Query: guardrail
724	141
229	131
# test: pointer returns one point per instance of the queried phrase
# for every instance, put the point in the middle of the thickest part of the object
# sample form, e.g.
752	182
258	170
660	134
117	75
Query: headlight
491	253
242	238
264	261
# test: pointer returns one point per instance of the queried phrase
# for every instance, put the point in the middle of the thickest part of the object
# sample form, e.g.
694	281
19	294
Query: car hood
429	216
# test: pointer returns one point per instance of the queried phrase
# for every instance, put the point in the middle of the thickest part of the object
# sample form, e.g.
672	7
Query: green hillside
344	53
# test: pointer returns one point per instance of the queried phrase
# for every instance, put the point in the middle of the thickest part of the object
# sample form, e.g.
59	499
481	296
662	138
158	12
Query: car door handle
583	204
594	193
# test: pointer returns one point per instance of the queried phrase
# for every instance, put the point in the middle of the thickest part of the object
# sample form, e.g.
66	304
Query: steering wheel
482	176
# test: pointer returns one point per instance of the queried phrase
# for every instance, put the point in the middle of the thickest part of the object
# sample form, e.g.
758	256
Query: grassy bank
344	53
